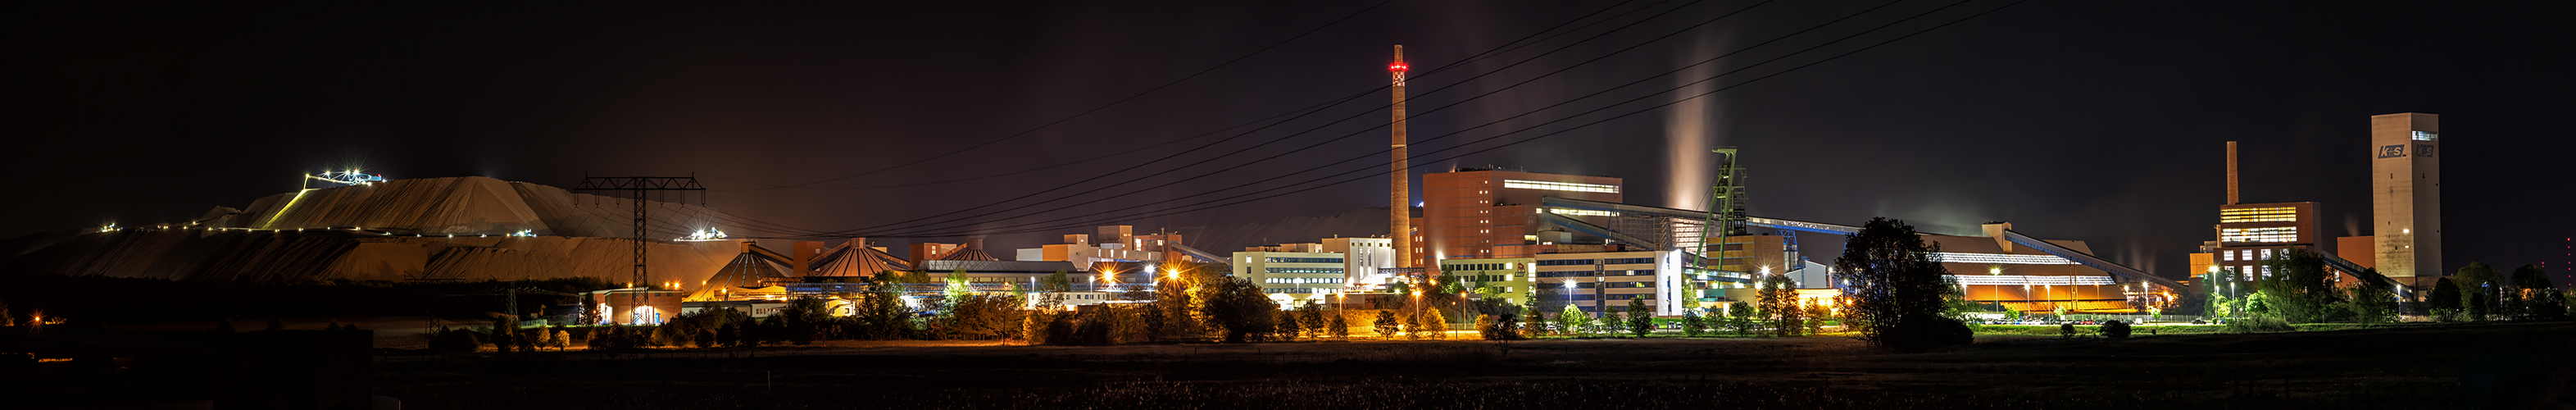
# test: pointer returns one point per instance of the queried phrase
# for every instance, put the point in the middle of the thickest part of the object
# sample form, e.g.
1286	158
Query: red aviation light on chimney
1397	67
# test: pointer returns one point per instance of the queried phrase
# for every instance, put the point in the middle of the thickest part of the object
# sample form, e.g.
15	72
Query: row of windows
1481	266
1565	262
2247	254
1619	261
1301	280
1303	270
1586	274
2277	234
1561	186
1576	212
1638	296
2265	272
1479	278
1305	260
1297	290
1613	285
2275	214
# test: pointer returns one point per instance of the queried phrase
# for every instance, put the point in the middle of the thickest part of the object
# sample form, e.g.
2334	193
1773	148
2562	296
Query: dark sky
2098	121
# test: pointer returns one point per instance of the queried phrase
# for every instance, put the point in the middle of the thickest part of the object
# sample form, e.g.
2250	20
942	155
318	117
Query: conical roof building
754	268
974	251
856	260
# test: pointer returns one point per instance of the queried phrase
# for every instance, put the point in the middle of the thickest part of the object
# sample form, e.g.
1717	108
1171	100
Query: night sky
2096	121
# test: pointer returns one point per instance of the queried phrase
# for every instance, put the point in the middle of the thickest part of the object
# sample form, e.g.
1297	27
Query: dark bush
456	341
2066	330
2115	329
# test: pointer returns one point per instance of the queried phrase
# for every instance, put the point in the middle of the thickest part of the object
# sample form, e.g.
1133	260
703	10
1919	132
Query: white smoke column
1689	130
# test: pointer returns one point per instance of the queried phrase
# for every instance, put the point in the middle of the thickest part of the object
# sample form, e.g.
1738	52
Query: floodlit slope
213	254
407	236
467	206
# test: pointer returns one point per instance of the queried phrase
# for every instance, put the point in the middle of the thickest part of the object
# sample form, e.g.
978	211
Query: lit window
2272	214
2427	136
1560	186
1578	212
1947	257
2275	234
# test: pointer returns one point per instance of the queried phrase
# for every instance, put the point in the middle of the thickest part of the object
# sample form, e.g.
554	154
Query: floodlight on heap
709	234
350	177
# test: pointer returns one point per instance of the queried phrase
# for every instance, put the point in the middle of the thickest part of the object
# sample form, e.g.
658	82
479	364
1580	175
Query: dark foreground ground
2408	367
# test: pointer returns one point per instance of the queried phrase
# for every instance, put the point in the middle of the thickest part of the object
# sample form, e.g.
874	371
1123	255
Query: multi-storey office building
1293	278
1508	279
1601	282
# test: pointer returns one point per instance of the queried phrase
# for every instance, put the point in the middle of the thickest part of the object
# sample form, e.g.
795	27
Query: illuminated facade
1363	259
2248	234
1504	278
1997	272
1293	278
2406	197
1481	214
1595	281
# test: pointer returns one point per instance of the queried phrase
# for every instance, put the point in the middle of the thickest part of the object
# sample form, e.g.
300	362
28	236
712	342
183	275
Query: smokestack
1399	201
2231	173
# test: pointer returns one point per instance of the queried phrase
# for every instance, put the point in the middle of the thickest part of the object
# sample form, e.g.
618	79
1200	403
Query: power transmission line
1533	138
1142	164
1111	103
1331	102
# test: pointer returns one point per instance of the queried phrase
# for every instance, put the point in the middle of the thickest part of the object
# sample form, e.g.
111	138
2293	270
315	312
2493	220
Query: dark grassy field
2394	367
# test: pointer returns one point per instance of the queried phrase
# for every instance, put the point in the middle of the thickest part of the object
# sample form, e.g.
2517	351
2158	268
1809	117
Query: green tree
2479	284
1571	321
589	310
959	285
1413	325
1691	323
1896	289
1340	328
1740	317
1533	324
2446	300
1310	318
1033	327
1779	297
1286	325
1641	320
1058	282
2543	298
1387	325
1174	302
2370	304
1816	314
1237	309
2538	298
2299	289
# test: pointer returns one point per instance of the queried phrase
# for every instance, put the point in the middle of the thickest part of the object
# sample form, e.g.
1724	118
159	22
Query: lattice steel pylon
1725	208
638	186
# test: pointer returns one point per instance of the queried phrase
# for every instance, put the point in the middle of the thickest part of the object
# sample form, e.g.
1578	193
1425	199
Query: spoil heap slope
408	222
